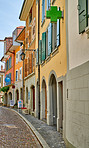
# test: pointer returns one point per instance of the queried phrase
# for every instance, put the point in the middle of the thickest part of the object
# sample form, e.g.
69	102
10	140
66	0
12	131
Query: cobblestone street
14	133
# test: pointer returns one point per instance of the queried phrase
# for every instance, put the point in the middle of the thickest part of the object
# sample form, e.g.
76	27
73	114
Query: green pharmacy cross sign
54	14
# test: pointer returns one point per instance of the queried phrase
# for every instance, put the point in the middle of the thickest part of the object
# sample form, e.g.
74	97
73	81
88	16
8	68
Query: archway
21	93
17	96
27	95
44	100
10	96
53	99
5	99
33	97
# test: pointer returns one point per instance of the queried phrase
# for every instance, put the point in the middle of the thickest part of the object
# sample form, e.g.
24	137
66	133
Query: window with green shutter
43	46
40	51
83	15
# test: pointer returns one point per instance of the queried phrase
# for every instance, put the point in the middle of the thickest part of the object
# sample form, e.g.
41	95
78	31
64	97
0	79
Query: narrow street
14	133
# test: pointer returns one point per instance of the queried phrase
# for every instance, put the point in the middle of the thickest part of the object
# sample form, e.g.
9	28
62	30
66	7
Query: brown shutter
25	67
33	62
30	56
28	66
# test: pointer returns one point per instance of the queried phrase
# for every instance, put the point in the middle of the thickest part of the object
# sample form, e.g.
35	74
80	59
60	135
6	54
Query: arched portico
5	99
44	101
52	96
33	98
17	95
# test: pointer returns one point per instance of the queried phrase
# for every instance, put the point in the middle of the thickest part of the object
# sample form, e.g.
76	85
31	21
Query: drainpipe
38	60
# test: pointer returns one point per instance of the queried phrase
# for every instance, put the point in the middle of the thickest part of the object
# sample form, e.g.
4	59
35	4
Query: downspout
38	60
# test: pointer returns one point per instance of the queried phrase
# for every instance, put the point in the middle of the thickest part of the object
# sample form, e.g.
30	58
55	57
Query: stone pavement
14	132
50	135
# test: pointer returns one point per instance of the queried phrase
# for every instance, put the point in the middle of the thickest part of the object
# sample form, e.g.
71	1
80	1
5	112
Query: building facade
2	77
77	78
53	66
29	16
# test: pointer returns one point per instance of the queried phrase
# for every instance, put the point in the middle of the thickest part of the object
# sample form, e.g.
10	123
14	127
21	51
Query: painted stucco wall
78	44
19	64
57	60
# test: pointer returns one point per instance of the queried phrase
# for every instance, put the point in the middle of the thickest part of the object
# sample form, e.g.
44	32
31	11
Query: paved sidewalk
14	132
50	135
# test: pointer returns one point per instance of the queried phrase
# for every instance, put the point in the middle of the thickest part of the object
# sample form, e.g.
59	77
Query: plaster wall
29	82
78	43
77	106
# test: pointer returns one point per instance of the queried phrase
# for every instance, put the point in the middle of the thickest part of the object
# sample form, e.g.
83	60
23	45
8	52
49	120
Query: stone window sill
43	63
43	23
87	31
54	52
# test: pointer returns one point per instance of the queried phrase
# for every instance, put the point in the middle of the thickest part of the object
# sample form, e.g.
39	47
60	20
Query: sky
9	19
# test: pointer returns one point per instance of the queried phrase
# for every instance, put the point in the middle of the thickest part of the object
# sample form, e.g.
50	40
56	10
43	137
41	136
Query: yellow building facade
53	65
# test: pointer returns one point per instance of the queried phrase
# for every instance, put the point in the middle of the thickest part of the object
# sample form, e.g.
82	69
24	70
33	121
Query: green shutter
43	46
83	15
40	52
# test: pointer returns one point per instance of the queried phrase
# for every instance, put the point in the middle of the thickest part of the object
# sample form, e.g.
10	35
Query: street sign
20	104
11	103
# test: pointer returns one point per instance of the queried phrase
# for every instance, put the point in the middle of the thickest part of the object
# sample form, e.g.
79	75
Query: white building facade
77	78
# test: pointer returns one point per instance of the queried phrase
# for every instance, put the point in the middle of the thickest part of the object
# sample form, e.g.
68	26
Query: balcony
15	33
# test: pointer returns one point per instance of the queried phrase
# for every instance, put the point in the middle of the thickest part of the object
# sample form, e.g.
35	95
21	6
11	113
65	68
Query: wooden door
33	98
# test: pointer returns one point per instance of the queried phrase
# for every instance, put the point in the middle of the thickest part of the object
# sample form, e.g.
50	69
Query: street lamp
22	55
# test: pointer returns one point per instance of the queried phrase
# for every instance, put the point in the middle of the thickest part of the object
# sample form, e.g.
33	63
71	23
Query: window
48	4
7	65
49	39
16	57
43	10
10	62
83	15
20	74
30	16
16	75
20	54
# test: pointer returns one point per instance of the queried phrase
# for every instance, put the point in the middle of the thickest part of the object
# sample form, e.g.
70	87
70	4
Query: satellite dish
7	79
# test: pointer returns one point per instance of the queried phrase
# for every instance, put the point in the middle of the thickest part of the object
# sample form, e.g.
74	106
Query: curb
38	136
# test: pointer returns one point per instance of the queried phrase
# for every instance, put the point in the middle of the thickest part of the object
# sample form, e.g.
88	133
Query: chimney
1	67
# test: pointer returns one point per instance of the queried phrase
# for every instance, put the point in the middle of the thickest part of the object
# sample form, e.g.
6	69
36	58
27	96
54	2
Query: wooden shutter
30	56
33	61
40	52
43	46
25	67
49	38
58	31
83	12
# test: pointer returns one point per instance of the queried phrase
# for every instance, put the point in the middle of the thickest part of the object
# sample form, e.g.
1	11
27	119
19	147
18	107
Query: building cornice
27	4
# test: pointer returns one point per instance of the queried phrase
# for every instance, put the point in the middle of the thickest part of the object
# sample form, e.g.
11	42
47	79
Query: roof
27	4
21	36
